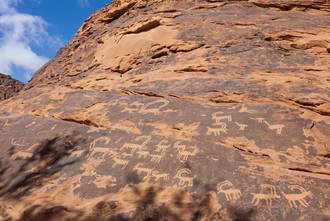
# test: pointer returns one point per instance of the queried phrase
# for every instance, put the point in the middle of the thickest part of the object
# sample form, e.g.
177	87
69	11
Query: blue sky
32	31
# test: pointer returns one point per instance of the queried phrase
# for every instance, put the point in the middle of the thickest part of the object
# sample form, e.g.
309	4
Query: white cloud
18	32
83	3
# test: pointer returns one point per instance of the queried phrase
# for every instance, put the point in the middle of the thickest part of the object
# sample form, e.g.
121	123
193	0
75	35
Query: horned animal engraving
241	126
143	154
184	180
156	158
277	127
157	175
140	169
134	147
184	154
120	162
156	111
216	131
226	187
177	145
294	198
218	119
162	146
268	197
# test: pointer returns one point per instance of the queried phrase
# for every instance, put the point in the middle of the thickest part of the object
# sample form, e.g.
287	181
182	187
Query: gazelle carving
156	158
294	198
157	175
134	147
268	197
184	180
146	109
140	169
177	145
162	146
226	187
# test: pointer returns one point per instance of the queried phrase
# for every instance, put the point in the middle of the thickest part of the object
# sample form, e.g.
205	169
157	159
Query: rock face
176	110
9	87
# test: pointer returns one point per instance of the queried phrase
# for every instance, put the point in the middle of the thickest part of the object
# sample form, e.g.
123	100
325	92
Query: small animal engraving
184	180
241	126
294	198
226	187
162	146
218	117
277	127
154	110
268	197
184	154
178	146
134	147
120	162
140	169
158	176
216	131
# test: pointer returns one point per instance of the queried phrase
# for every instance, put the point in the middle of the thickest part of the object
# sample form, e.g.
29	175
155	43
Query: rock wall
176	110
9	87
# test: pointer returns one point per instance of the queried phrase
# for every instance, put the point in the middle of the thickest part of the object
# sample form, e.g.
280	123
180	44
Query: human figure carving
294	198
268	197
218	119
226	187
184	180
120	162
184	154
241	126
277	127
216	131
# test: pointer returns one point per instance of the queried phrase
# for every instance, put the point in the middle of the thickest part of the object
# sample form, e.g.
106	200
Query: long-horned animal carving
140	169
268	197
184	154
157	175
217	131
162	146
294	198
120	162
231	193
218	117
156	111
134	147
184	180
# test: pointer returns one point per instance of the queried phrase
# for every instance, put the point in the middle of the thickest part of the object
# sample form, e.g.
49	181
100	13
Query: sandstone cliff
176	110
9	87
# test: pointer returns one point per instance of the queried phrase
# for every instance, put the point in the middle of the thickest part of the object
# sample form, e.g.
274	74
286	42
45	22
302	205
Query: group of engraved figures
220	126
267	194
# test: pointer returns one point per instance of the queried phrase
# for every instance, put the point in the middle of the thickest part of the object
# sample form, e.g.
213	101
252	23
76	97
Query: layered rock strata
9	86
176	110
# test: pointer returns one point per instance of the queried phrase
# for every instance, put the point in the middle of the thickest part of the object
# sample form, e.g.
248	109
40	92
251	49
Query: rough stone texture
9	87
176	110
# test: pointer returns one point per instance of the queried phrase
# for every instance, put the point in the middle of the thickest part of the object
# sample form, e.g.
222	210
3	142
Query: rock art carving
143	154
156	158
160	176
267	197
217	131
133	147
277	127
218	117
120	162
96	147
184	154
19	141
228	189
295	198
154	110
140	170
162	146
241	126
183	176
178	146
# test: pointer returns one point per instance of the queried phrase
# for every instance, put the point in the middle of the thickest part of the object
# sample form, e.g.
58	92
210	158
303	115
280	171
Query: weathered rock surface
9	86
176	110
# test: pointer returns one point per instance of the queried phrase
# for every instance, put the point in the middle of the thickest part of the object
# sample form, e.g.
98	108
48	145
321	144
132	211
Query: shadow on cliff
178	207
19	176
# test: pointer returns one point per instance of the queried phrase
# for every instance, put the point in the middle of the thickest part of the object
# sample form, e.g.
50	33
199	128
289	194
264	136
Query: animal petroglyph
226	187
218	117
178	146
241	126
277	127
133	107
140	170
184	154
268	197
20	141
294	198
259	120
97	147
154	110
184	180
156	158
216	131
120	162
31	124
158	176
134	147
143	154
162	146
